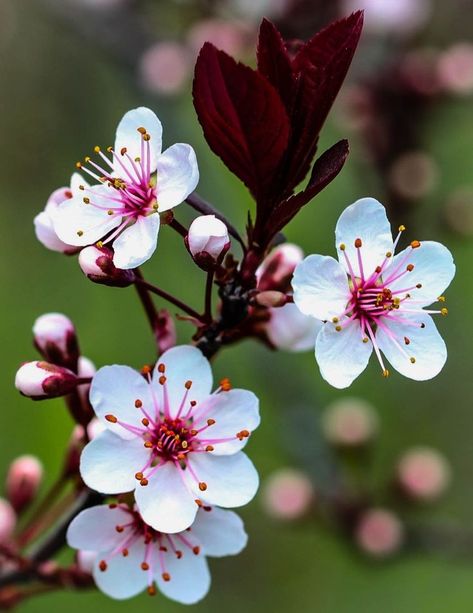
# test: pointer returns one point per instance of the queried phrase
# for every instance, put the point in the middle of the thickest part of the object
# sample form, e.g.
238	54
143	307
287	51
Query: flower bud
275	273
271	298
423	474
7	521
208	241
23	481
56	340
40	380
350	422
97	264
287	494
379	533
165	331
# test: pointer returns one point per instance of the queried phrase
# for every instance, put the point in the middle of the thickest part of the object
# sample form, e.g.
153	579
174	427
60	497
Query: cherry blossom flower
136	182
172	441
287	328
130	556
43	222
372	299
208	241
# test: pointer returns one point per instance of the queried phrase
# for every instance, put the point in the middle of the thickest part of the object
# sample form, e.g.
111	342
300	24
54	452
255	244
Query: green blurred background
61	92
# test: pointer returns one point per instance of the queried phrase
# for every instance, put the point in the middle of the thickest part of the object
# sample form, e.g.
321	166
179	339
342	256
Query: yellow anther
335	320
342	247
97	149
141	130
86	200
441	299
444	311
388	254
338	328
80	232
109	149
99	244
79	165
87	159
413	360
402	228
82	187
365	339
110	212
385	373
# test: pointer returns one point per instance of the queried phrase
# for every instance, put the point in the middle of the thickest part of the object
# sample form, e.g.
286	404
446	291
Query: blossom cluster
158	457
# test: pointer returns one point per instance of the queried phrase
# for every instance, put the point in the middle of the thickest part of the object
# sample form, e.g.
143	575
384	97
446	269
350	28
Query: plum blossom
131	556
373	300
287	328
43	222
170	440
136	182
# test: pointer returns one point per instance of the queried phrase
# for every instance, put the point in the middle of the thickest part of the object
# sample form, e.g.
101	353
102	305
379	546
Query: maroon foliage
265	123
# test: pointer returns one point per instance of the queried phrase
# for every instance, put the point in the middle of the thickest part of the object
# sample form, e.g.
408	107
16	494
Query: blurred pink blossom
165	67
423	474
379	533
455	68
287	494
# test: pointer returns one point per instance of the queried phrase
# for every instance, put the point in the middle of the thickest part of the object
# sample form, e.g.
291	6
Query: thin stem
46	520
141	283
208	296
147	302
200	205
176	225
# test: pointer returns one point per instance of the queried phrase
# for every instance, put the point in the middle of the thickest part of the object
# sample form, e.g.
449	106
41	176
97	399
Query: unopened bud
56	340
40	380
165	331
287	494
275	273
379	533
423	474
271	298
208	241
350	422
7	521
23	481
97	264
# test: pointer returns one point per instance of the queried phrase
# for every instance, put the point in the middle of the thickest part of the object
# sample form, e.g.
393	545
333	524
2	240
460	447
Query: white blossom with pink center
374	300
130	556
172	441
136	182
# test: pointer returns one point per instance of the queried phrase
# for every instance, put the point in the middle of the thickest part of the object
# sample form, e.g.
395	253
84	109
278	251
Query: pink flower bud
165	67
350	422
208	241
56	340
455	68
7	521
97	264
23	481
271	298
275	273
423	474
40	380
166	331
287	494
379	533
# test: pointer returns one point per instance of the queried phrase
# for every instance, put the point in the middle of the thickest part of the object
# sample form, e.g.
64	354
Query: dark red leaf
274	62
244	121
322	64
325	169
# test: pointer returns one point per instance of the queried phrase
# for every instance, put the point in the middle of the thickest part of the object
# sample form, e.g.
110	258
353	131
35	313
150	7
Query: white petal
166	503
426	346
433	269
77	223
190	577
291	330
124	576
341	356
182	364
178	175
365	219
128	136
136	244
233	412
220	532
114	392
108	463
94	528
232	480
77	180
46	234
320	287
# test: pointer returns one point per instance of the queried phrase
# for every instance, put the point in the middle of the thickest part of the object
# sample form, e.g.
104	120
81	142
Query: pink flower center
132	194
155	545
175	435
